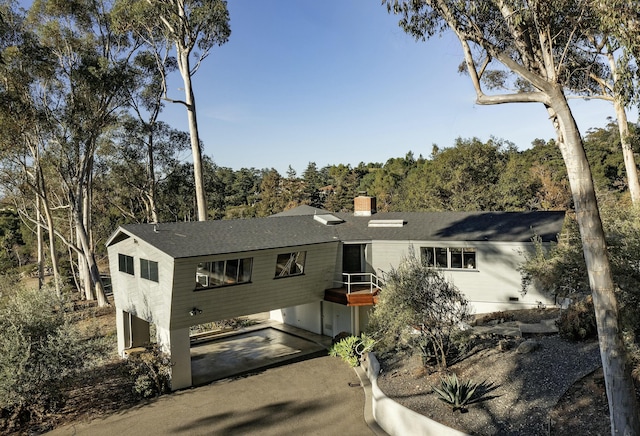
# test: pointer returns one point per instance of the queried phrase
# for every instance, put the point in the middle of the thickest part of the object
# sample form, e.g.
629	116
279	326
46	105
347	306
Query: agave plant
456	393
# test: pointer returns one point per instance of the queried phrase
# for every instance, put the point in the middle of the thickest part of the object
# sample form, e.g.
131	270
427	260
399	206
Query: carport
264	345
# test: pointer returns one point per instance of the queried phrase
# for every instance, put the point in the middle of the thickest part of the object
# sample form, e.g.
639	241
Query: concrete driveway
320	396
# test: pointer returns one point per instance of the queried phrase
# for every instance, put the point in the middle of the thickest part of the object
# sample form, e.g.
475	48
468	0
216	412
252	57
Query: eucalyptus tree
525	52
192	28
140	156
23	136
616	81
81	100
142	137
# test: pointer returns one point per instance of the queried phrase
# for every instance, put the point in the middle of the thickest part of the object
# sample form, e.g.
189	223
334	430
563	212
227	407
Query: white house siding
305	316
146	299
489	287
262	294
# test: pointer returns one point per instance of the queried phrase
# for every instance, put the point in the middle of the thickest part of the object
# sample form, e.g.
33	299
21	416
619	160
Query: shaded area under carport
258	347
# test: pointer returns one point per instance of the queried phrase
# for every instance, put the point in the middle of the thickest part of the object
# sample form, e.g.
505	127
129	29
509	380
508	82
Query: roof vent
387	223
328	219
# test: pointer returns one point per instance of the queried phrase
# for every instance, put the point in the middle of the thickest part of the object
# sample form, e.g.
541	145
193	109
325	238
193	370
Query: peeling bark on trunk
93	286
617	371
185	71
40	238
627	153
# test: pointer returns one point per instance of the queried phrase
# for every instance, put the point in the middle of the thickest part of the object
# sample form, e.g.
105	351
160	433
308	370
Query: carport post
176	343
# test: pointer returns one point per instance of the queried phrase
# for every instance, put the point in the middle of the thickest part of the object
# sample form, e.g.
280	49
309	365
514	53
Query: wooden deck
359	296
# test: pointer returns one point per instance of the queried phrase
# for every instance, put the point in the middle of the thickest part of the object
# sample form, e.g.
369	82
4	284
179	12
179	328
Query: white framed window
290	264
449	257
125	263
149	270
223	272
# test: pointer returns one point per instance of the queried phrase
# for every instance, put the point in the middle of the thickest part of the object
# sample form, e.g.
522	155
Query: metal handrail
373	281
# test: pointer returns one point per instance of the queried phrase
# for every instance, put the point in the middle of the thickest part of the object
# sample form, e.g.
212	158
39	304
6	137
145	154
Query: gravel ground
524	387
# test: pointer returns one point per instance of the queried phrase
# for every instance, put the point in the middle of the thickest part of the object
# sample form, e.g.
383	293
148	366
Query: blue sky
337	81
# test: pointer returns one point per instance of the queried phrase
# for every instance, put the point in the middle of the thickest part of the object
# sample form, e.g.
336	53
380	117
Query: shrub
578	322
39	348
420	309
351	348
151	370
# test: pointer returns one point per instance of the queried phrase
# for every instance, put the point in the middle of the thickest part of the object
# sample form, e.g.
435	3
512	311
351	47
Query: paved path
311	397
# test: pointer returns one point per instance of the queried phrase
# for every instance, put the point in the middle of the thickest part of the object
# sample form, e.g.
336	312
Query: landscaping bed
554	389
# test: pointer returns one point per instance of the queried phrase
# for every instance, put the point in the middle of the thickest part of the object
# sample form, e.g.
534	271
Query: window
149	270
450	258
290	264
223	272
125	263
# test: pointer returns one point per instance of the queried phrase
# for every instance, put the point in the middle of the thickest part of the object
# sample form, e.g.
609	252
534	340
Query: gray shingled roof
201	238
457	226
297	227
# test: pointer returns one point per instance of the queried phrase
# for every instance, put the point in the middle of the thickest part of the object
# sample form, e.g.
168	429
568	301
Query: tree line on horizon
471	175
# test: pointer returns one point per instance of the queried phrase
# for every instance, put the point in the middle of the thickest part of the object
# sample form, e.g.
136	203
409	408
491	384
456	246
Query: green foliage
420	309
39	348
151	370
561	270
603	148
578	322
622	225
456	393
11	241
351	348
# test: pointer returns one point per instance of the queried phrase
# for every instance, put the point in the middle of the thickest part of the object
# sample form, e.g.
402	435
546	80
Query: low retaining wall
396	419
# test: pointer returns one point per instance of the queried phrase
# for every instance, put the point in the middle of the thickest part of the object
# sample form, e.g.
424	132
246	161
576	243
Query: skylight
387	223
328	219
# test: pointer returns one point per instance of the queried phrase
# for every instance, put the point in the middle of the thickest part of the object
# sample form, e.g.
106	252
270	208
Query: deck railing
361	279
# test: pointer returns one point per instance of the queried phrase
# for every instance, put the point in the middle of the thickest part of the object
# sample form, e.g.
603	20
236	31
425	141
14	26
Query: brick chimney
364	206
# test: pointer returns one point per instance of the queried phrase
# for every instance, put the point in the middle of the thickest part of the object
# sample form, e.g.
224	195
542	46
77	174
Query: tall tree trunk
152	213
42	193
92	281
52	248
627	152
44	197
617	372
40	238
196	151
625	141
94	284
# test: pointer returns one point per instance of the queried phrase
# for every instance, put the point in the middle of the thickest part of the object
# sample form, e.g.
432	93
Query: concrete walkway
320	396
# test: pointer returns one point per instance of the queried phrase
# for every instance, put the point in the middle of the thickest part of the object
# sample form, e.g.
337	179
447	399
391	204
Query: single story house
309	268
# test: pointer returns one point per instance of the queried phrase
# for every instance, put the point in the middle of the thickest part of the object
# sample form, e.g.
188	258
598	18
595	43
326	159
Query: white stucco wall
494	285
